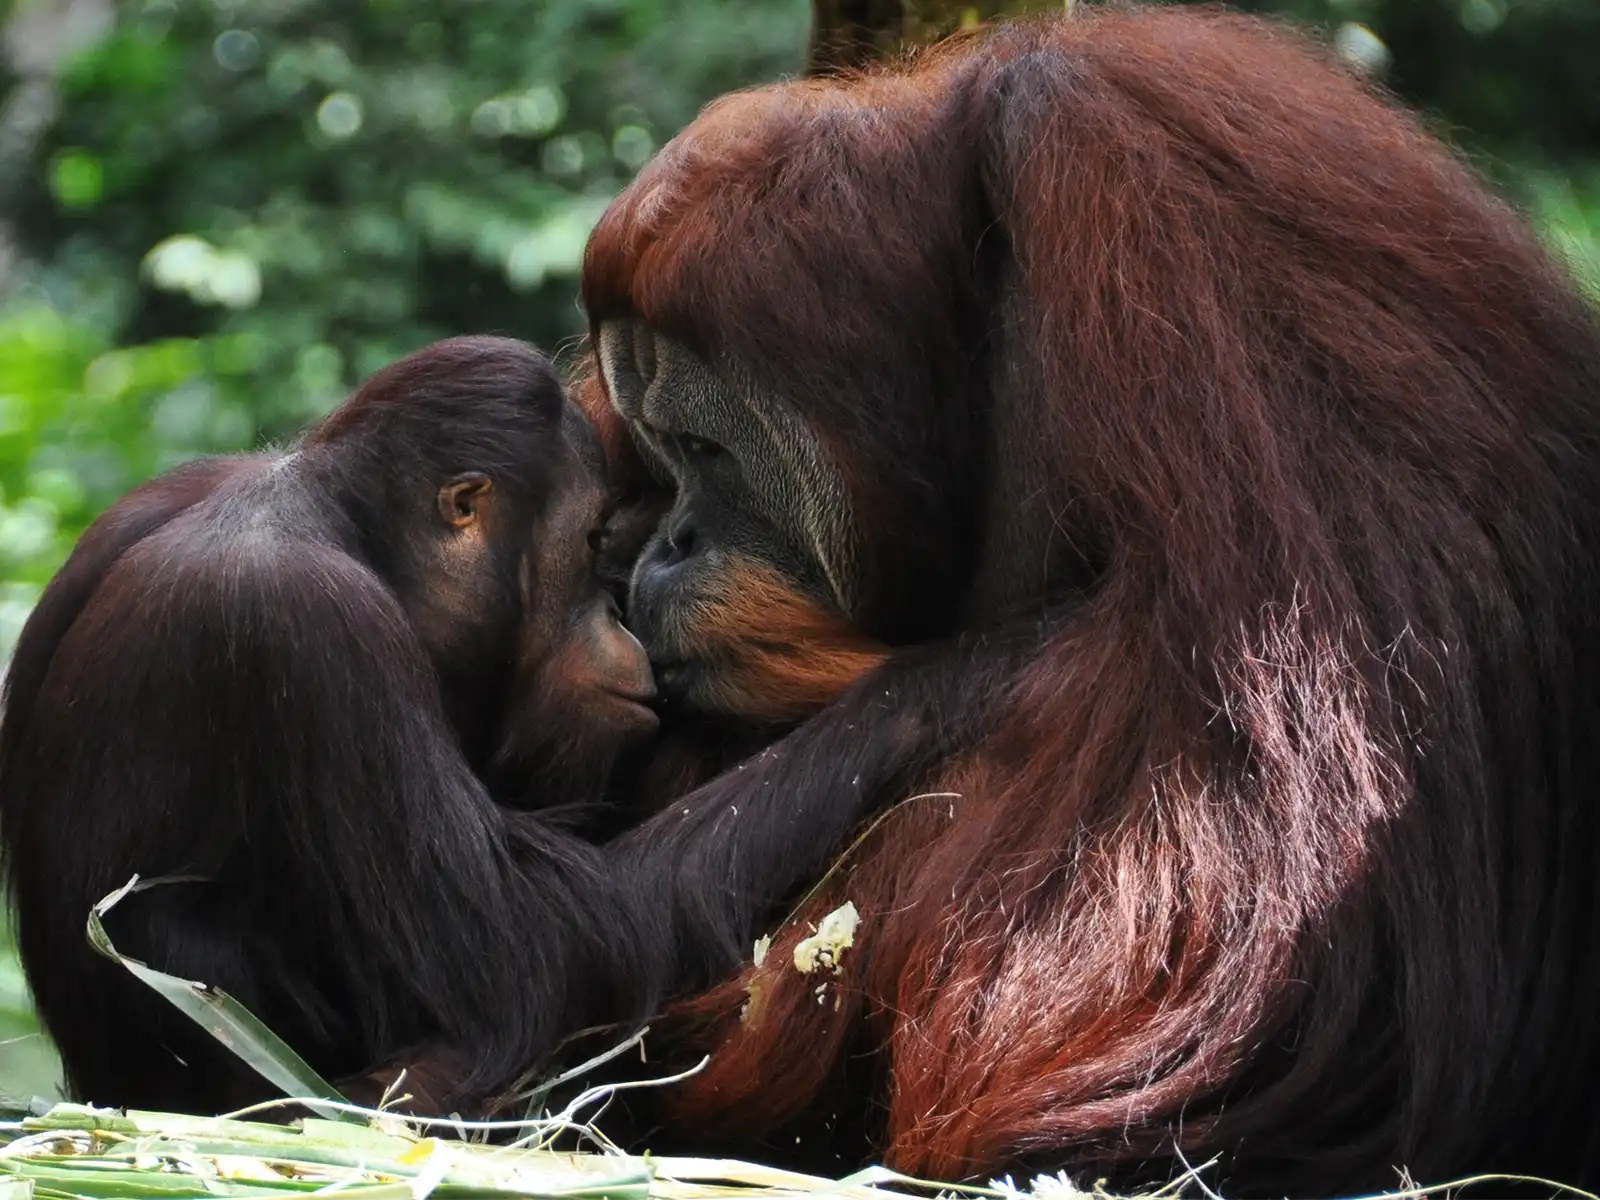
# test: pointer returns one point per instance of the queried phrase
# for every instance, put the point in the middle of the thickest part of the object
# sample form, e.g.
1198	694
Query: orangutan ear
463	499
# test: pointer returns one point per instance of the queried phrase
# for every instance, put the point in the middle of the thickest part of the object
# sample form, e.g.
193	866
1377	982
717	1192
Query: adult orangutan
1235	456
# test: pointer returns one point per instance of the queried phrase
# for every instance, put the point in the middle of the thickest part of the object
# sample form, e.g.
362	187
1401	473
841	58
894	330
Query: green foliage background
223	213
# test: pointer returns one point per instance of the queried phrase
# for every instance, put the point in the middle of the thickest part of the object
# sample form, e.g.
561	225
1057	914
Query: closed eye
699	447
668	446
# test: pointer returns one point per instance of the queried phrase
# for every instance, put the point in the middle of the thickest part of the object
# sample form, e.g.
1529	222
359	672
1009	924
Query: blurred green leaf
76	179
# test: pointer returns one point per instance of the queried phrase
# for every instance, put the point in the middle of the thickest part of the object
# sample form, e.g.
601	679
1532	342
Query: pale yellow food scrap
824	948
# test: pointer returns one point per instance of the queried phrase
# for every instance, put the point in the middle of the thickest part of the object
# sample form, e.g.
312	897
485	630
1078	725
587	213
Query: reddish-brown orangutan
1220	463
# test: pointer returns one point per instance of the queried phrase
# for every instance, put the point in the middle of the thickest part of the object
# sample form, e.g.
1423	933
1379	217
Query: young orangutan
287	678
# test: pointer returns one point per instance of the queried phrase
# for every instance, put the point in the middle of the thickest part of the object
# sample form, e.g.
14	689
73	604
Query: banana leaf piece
219	1014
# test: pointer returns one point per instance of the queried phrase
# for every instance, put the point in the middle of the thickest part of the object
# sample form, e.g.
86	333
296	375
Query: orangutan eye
699	447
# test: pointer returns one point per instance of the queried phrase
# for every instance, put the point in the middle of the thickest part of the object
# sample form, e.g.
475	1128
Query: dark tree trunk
848	34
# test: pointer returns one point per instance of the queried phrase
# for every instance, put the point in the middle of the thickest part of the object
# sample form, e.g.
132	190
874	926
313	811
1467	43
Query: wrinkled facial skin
744	596
583	685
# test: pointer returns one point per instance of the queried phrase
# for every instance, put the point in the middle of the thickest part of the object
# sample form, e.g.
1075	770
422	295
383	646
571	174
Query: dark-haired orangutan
287	675
1236	457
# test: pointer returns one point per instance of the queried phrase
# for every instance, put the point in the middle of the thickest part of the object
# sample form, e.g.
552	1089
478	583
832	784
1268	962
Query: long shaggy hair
1284	842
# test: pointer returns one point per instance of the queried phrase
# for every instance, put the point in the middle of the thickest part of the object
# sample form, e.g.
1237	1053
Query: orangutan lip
643	699
639	710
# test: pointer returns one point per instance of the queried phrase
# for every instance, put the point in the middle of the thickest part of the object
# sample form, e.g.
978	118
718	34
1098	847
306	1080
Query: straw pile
75	1151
